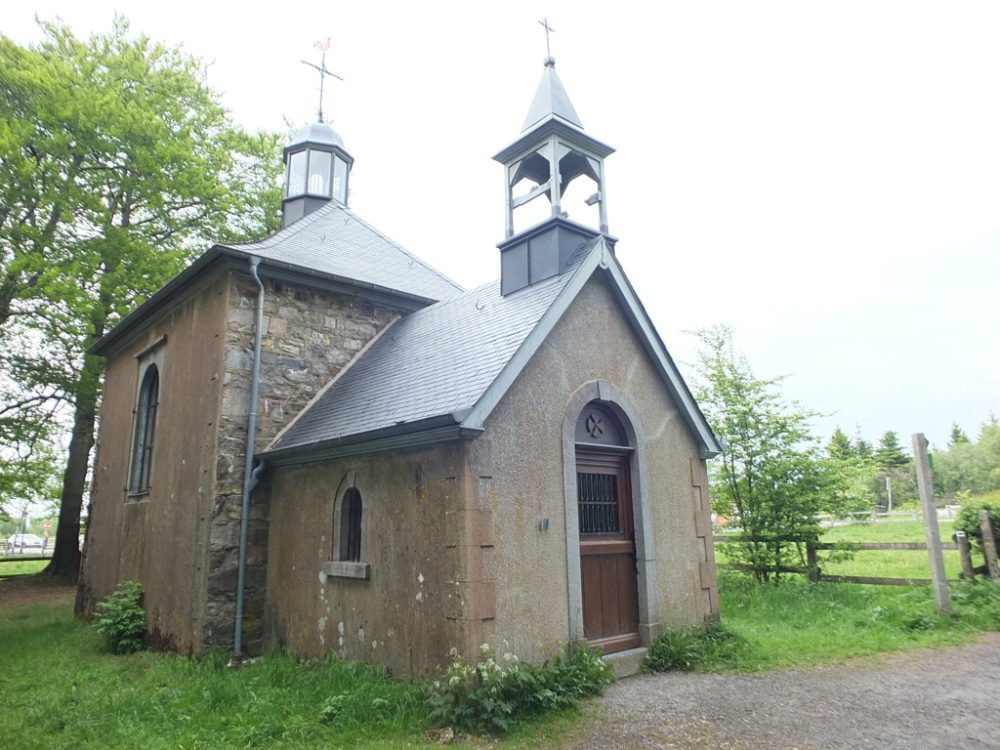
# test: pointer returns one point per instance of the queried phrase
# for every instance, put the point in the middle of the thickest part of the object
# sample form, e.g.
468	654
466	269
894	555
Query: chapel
318	442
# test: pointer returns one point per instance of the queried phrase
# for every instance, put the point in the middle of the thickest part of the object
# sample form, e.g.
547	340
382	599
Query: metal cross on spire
548	29
323	72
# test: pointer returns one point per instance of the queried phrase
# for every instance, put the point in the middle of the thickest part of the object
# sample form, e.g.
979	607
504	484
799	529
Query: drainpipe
251	474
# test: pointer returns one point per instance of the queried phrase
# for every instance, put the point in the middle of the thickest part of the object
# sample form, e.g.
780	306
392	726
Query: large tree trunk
65	561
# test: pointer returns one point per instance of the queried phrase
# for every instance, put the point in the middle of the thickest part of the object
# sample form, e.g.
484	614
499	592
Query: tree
889	452
839	448
117	163
957	435
771	478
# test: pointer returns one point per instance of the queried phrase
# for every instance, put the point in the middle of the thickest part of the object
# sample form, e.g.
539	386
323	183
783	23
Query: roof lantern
547	159
316	163
316	170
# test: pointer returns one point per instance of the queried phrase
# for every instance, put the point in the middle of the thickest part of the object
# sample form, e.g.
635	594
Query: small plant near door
702	647
490	698
121	619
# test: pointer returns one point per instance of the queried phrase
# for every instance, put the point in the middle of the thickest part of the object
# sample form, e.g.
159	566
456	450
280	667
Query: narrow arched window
145	431
350	526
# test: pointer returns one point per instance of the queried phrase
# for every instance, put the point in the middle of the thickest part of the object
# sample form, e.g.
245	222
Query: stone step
626	663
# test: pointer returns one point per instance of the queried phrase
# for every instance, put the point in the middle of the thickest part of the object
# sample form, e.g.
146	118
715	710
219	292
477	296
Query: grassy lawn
796	623
11	566
883	563
61	690
890	563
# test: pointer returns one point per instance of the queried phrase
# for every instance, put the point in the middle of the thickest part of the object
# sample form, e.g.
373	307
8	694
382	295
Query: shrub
121	619
967	520
699	647
487	698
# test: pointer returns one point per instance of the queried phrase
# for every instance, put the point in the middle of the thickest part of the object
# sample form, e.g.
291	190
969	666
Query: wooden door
607	551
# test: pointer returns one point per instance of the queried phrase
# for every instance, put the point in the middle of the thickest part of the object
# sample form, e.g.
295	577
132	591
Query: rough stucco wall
159	538
522	450
309	335
408	614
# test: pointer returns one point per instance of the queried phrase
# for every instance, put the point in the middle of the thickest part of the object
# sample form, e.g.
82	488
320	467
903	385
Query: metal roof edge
491	396
411	435
176	286
552	124
601	256
710	445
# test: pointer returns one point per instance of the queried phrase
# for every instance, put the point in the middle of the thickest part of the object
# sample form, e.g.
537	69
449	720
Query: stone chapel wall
309	335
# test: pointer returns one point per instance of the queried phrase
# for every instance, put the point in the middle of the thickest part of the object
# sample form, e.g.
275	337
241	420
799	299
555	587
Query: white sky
825	177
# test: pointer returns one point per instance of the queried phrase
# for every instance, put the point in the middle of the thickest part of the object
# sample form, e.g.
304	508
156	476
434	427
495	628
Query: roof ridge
418	259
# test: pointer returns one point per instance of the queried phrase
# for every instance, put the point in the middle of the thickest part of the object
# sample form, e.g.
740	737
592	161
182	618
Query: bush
699	647
487	698
121	619
967	520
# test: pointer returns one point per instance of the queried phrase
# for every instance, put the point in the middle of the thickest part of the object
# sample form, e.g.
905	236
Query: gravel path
930	698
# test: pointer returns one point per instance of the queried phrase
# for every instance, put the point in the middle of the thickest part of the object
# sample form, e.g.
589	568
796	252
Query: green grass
796	623
14	567
883	563
889	563
61	690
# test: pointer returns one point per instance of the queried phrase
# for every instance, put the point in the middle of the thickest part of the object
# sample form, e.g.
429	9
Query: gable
439	373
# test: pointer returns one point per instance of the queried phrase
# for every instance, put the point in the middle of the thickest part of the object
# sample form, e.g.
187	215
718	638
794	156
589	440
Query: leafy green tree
862	448
772	477
117	163
957	435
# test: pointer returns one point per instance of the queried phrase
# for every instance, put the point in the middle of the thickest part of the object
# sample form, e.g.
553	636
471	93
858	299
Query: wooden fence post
964	554
811	564
931	531
989	546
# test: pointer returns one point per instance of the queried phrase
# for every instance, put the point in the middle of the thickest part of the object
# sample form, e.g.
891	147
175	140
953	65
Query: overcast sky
824	177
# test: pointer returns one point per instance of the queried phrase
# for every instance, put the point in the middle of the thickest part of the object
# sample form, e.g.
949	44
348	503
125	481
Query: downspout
251	474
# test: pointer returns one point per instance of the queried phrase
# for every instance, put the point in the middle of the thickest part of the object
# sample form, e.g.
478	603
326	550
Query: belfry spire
552	151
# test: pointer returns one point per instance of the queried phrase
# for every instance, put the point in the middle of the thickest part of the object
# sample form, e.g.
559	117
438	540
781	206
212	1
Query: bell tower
552	152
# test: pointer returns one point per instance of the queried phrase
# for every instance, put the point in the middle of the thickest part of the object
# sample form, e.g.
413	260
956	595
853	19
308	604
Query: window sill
136	495
344	569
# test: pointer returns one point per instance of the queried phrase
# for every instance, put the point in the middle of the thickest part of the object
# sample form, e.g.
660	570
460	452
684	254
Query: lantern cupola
316	171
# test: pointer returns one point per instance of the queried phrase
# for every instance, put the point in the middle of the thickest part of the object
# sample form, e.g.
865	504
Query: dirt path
22	591
930	698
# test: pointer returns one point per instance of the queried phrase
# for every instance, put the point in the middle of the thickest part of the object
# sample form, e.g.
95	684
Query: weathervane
323	72
545	25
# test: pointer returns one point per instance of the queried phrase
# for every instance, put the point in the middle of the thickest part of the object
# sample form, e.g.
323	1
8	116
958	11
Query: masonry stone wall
309	335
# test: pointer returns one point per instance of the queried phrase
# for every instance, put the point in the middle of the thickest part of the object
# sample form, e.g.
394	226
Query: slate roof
334	241
434	363
331	243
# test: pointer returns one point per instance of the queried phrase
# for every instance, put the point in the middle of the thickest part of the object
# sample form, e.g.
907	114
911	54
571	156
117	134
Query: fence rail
814	573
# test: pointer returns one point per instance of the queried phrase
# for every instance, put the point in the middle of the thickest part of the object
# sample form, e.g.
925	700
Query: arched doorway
607	543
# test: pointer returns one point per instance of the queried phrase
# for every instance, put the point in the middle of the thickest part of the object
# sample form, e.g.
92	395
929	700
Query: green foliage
490	698
772	478
967	520
117	164
839	448
970	466
121	619
700	648
957	435
889	452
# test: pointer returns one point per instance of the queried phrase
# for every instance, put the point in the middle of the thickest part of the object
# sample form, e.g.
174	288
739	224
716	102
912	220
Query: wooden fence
812	570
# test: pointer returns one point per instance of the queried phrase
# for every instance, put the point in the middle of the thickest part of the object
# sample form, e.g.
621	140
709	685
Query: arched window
144	431
349	551
350	526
